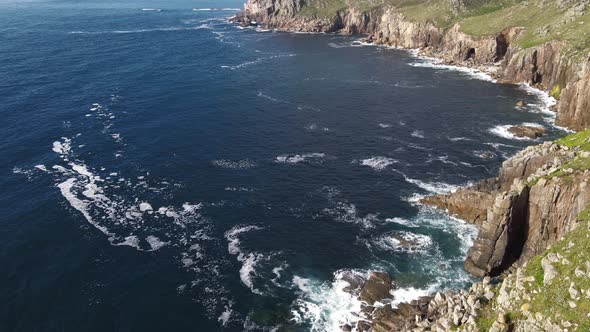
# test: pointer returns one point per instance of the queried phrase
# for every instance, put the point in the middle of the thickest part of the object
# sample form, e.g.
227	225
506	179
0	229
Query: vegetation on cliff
553	288
542	20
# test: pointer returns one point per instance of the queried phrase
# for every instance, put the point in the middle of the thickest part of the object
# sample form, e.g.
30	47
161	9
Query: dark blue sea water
163	170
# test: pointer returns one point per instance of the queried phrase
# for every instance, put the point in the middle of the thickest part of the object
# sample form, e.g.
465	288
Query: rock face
527	131
532	203
543	66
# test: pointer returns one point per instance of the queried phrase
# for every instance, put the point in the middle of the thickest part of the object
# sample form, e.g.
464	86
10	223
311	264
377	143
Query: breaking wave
299	158
257	61
433	63
378	163
168	29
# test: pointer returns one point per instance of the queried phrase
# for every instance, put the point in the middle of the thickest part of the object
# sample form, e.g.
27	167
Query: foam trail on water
502	131
378	163
249	260
325	306
434	63
296	158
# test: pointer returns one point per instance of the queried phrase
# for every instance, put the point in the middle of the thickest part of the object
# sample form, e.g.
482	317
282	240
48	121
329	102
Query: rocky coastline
540	197
545	67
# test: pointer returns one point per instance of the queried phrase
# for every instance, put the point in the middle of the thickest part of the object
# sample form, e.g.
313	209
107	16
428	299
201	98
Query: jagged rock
549	271
527	131
573	291
377	288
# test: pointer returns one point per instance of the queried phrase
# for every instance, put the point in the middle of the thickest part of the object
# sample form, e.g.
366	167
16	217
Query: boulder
527	131
377	288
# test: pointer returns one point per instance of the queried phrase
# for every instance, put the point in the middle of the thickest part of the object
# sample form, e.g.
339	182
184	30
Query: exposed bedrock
533	202
544	66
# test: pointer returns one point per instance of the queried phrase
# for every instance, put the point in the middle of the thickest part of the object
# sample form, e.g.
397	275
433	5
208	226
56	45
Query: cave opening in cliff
470	54
501	47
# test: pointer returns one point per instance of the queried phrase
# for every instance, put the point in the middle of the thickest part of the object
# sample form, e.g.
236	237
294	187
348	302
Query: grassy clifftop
552	292
544	20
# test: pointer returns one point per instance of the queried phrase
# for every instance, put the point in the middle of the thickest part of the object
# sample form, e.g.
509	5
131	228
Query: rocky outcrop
527	131
548	293
429	313
532	203
544	66
574	105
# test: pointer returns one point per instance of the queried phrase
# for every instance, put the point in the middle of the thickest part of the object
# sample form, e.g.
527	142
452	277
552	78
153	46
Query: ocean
163	169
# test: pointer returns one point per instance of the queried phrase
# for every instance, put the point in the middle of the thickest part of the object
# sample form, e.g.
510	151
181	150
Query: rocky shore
533	217
545	66
531	250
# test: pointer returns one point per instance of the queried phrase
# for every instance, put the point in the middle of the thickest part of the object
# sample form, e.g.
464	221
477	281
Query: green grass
556	92
552	300
585	215
481	18
580	141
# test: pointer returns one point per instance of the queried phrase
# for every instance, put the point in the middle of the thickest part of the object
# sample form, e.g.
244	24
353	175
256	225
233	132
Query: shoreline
488	73
546	106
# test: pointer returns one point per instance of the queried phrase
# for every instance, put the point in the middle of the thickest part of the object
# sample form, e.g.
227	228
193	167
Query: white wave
305	107
417	134
234	164
457	139
409	294
144	206
312	126
248	269
545	100
63	148
238	189
151	10
225	316
215	9
337	45
427	62
502	131
167	29
130	241
442	159
433	187
325	306
378	163
401	221
265	96
532	124
233	246
407	242
80	205
117	206
277	271
343	211
257	61
296	158
544	106
117	137
466	232
155	243
384	125
249	260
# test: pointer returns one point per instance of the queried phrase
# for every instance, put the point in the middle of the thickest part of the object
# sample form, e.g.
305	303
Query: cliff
533	203
549	293
542	43
533	217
